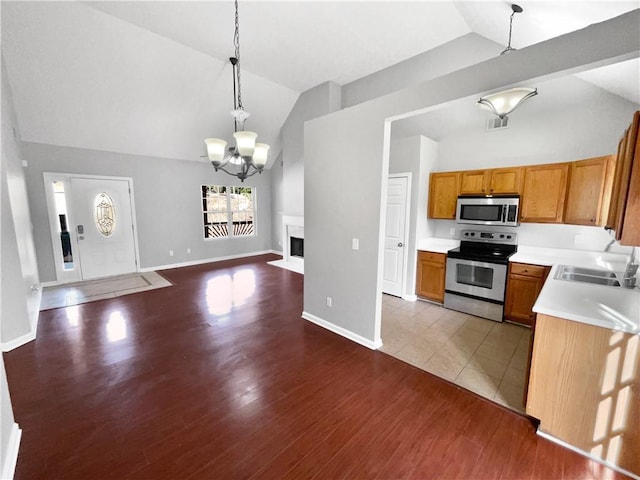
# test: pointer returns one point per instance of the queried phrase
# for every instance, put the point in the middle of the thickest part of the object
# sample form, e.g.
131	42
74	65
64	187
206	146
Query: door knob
400	244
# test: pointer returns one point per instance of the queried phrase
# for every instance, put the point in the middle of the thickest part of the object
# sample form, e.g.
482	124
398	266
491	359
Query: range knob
473	234
501	235
508	237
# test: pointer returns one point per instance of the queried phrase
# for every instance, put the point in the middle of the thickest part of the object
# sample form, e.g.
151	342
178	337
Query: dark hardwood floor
218	377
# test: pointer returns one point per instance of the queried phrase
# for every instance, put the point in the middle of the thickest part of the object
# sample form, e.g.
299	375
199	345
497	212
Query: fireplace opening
297	247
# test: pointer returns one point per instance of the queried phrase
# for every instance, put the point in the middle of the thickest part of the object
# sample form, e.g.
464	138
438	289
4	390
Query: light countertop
437	245
615	308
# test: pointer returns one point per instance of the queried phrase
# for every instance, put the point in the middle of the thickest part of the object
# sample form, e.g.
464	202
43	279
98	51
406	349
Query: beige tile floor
486	357
92	290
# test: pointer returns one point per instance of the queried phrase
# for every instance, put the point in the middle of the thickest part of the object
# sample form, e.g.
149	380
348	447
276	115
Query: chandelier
503	103
247	157
514	9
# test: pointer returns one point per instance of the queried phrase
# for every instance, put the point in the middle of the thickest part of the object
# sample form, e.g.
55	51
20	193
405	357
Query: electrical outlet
452	231
329	302
171	253
355	243
188	250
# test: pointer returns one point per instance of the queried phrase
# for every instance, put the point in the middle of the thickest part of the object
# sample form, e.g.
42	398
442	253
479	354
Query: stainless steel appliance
498	210
476	274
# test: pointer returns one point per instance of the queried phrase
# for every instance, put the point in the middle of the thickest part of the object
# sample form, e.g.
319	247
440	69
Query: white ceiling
152	78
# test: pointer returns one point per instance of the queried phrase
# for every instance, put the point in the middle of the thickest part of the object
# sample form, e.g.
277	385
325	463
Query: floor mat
92	290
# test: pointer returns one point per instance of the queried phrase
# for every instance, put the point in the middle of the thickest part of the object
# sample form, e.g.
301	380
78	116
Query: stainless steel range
476	275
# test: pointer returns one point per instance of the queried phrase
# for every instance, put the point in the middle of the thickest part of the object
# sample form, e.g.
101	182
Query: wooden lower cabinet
584	387
430	276
523	287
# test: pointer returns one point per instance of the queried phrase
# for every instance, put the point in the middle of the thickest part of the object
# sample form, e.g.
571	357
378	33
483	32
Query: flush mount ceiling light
514	9
503	103
247	157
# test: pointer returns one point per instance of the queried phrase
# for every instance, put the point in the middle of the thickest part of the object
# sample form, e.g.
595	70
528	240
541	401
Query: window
228	211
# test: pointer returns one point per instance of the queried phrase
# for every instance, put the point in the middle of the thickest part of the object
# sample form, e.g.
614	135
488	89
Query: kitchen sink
586	271
587	275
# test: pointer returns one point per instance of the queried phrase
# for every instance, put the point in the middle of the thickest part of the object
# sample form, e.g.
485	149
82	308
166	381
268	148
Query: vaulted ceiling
152	78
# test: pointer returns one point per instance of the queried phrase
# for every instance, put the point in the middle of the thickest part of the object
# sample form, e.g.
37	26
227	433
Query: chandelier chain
236	43
510	29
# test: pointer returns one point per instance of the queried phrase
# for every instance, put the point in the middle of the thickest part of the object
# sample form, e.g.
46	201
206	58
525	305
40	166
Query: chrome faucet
608	246
629	279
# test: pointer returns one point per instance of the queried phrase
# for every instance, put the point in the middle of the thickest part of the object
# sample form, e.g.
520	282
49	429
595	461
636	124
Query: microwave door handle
504	213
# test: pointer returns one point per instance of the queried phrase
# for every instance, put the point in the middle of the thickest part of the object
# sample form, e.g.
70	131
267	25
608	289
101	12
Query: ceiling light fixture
503	103
515	9
247	157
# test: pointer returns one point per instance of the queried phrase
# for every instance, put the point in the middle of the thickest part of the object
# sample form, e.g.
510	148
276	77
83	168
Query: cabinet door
585	191
430	276
543	195
506	180
474	182
443	194
628	215
522	292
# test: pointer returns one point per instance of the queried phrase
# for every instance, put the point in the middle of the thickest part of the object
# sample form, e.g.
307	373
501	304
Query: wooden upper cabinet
588	187
543	195
506	180
490	182
474	182
443	195
624	212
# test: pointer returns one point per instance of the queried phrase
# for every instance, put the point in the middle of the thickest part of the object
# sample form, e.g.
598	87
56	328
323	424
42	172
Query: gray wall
454	55
277	203
19	308
167	203
18	303
313	103
417	155
346	165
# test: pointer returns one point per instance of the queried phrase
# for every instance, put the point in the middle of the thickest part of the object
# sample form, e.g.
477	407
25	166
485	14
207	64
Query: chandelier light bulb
260	155
245	143
216	149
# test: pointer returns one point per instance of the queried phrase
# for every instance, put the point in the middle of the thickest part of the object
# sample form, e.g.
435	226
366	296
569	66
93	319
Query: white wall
167	200
454	55
346	166
9	430
589	126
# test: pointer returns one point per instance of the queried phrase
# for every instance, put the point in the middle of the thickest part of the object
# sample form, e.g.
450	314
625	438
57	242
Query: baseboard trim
343	332
206	260
410	298
18	342
564	444
11	460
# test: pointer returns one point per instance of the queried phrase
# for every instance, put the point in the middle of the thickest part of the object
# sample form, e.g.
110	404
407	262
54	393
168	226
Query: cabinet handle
592	220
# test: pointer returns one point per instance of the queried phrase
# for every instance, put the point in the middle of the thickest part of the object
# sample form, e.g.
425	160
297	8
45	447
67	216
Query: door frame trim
63	276
407	227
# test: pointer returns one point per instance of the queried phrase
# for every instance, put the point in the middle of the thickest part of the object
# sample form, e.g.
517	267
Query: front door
103	226
395	235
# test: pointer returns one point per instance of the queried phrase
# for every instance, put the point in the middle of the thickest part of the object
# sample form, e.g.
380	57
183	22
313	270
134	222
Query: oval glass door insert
105	214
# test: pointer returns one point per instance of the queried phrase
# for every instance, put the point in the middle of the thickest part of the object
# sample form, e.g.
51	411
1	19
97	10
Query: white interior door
103	226
395	236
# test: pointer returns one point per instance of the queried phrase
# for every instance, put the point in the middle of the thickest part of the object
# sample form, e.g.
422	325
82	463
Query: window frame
228	211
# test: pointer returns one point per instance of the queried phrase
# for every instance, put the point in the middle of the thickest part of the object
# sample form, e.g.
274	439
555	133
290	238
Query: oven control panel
509	238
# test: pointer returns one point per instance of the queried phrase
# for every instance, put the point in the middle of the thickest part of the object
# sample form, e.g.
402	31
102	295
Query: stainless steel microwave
482	210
